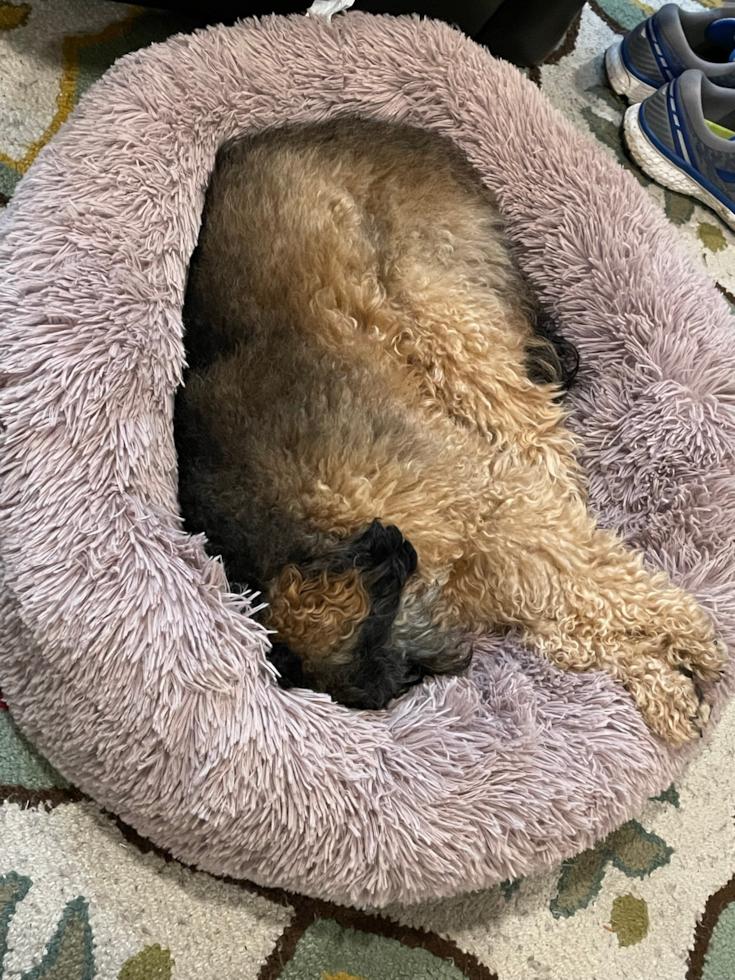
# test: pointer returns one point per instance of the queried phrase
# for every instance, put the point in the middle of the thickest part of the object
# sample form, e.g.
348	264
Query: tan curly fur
366	265
317	615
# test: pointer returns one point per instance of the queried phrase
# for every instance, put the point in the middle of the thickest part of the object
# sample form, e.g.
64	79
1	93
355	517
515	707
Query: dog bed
123	656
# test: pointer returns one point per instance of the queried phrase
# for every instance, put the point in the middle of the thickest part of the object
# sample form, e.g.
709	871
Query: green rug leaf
719	961
670	795
629	919
626	13
579	882
636	852
326	949
678	208
8	179
151	963
631	849
69	955
13	15
20	763
711	237
13	889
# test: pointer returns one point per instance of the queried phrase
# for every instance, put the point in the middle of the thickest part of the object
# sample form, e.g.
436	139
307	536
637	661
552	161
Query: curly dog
370	432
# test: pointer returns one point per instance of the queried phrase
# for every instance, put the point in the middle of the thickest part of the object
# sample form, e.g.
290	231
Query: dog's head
348	624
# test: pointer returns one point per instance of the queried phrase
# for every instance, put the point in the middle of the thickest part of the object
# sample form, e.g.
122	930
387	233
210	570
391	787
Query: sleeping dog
370	432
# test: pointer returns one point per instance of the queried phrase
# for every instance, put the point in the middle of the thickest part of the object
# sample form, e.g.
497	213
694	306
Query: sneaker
669	43
683	136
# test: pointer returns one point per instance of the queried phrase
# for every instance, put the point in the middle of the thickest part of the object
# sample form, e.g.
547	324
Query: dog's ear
378	545
393	561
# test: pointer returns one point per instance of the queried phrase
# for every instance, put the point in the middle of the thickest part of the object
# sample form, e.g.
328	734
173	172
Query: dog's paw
705	657
670	700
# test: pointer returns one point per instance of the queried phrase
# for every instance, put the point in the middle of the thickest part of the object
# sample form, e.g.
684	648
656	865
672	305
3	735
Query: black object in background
527	31
469	16
522	31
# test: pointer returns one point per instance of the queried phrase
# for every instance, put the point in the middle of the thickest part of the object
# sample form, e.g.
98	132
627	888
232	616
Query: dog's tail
335	621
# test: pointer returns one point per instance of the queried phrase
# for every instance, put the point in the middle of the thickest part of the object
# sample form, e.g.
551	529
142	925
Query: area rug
81	896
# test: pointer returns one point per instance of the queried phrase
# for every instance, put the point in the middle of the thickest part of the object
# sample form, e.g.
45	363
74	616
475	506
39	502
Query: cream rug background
82	897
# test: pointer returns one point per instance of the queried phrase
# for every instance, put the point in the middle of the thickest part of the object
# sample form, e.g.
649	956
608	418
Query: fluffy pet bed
122	655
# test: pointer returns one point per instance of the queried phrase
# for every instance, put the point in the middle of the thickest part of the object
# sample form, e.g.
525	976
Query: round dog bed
122	655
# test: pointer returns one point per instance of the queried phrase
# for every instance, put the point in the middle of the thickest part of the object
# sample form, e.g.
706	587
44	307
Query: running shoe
671	42
683	136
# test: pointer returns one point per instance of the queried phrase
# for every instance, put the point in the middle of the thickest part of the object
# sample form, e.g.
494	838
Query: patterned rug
82	896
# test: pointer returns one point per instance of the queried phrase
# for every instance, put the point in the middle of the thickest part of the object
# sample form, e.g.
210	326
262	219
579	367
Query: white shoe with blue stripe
683	136
669	43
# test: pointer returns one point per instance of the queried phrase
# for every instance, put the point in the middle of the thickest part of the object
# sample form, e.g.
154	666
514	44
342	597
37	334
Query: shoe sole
621	80
664	171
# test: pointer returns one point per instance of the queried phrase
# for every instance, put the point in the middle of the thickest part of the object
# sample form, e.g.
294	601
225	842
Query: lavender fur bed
122	655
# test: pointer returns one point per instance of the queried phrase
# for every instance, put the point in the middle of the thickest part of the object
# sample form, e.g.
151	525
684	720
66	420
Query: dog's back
314	451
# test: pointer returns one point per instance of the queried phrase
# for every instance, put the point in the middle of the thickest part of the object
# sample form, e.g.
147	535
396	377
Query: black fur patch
555	363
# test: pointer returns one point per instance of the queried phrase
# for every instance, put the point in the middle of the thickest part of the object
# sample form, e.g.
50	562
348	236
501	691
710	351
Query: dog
370	432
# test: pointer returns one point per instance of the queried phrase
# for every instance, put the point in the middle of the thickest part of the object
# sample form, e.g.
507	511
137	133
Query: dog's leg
586	602
540	562
638	627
